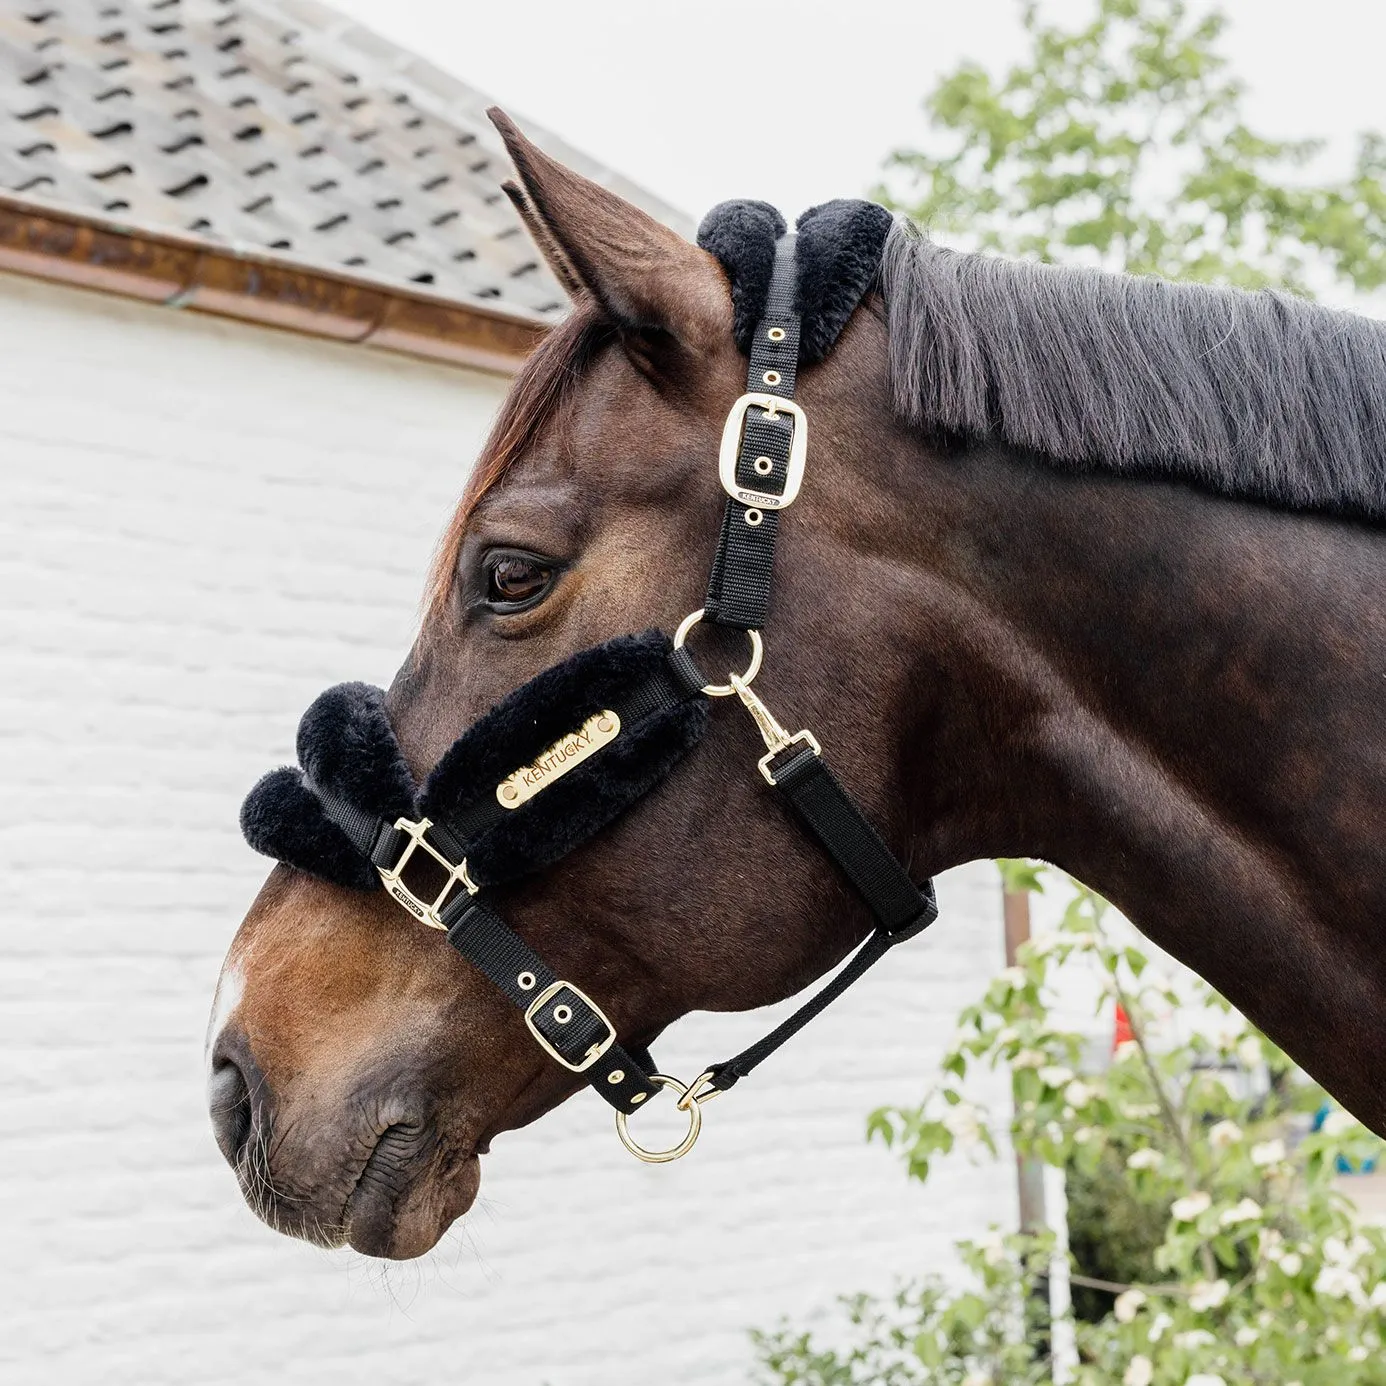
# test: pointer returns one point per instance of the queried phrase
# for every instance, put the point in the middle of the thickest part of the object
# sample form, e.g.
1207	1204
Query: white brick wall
202	525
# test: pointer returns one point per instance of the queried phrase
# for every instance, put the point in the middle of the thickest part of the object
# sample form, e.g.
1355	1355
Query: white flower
1055	1075
1291	1263
1357	1354
1268	1153
1208	1294
1224	1135
1246	1335
1339	1124
993	1248
1124	1050
1158	1324
1144	1159
1012	976
1338	1283
1248	1210
1194	1338
1249	1051
1141	1372
1028	1058
1205	1379
1138	1111
961	1122
1083	1135
1189	1207
1007	1034
1128	1305
1077	1094
1378	1295
977	1379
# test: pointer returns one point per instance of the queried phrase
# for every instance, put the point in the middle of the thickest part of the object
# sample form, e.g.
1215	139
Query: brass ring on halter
662	1157
722	690
694	1094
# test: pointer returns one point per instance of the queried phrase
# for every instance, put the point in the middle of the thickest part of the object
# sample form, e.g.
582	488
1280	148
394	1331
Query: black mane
1256	395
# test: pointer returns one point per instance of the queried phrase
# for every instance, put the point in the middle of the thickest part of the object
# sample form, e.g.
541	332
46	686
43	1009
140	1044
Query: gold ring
662	1157
722	690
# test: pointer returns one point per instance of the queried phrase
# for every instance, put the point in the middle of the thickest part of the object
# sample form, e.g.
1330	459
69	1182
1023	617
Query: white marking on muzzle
230	989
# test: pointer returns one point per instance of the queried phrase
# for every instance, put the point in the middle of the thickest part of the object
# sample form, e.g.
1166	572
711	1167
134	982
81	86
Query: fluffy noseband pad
502	844
838	255
347	746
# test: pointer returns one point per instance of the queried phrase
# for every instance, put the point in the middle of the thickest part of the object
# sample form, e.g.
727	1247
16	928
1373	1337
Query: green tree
1261	1274
1123	142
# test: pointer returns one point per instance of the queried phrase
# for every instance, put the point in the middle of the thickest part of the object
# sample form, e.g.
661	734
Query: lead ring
662	1157
721	690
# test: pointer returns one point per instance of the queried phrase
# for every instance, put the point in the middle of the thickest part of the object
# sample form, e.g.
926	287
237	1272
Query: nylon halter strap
761	465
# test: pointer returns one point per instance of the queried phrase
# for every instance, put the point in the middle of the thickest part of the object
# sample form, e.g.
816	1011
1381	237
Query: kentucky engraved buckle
731	449
426	912
565	754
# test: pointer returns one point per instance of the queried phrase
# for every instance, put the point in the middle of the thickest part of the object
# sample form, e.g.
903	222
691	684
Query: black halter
563	755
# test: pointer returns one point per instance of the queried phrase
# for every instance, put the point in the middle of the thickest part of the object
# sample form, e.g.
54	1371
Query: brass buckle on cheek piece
425	911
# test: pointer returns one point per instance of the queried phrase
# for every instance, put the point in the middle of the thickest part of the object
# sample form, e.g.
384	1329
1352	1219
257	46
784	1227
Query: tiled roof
280	126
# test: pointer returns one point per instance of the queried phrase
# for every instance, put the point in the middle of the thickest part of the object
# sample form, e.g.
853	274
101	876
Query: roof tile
272	123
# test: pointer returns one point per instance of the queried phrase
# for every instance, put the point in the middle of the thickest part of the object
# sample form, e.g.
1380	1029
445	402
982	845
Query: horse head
360	1068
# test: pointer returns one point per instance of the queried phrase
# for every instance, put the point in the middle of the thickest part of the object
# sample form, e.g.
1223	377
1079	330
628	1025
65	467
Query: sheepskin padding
838	256
284	819
578	804
347	745
348	748
741	236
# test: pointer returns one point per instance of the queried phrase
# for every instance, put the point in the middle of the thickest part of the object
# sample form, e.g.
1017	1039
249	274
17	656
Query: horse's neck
1180	700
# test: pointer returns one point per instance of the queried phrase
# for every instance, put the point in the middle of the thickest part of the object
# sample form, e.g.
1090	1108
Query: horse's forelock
540	389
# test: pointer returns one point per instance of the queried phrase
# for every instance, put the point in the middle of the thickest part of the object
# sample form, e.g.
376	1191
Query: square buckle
594	1051
425	911
731	450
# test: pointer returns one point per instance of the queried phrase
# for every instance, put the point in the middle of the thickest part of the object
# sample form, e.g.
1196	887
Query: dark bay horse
1085	568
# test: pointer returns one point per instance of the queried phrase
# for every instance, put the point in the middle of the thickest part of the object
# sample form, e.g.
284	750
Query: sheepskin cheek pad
578	804
346	746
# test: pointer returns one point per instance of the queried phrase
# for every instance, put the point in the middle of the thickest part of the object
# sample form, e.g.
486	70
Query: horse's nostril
232	1096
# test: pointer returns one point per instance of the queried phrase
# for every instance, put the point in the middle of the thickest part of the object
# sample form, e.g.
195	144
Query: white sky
798	102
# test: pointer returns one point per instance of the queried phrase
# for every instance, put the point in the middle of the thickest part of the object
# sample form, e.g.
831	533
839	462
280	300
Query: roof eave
48	240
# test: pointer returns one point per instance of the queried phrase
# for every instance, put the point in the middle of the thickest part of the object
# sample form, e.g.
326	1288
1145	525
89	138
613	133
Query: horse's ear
646	277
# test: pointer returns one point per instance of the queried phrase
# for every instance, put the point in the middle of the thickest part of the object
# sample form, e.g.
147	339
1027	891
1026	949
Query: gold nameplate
597	731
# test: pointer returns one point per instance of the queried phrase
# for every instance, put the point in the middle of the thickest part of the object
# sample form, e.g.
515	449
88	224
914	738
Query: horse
1087	568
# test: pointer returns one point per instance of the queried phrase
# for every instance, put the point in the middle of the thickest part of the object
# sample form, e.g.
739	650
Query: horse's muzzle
364	1172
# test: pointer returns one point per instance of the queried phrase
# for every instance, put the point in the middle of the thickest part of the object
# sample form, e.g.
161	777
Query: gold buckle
595	1051
731	449
694	1109
424	911
775	737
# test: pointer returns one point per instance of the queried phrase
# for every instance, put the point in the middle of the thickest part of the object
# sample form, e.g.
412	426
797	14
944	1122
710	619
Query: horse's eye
516	580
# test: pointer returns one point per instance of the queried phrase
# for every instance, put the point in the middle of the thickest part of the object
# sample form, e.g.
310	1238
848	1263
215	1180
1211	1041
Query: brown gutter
49	241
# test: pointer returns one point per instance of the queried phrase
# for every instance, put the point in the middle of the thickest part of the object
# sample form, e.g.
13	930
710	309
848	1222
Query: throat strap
901	908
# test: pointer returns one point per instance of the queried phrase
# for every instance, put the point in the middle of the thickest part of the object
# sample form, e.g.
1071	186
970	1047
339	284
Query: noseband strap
562	756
